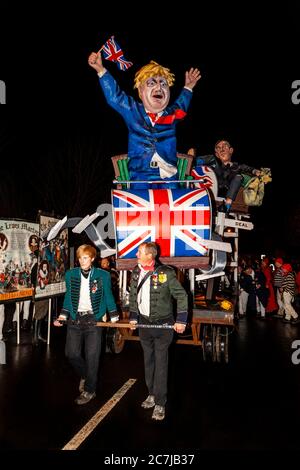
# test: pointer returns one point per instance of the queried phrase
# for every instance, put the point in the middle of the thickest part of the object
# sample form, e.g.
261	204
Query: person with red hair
87	300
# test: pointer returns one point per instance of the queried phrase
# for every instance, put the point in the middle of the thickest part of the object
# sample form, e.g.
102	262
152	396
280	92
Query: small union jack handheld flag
112	51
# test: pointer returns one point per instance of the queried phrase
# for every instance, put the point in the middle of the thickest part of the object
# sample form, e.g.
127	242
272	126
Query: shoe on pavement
158	413
81	385
149	402
286	320
296	320
84	398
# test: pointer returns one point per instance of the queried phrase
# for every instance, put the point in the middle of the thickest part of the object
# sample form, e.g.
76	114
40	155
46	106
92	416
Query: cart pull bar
129	325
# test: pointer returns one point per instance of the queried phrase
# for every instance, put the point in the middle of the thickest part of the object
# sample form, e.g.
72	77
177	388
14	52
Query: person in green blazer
87	299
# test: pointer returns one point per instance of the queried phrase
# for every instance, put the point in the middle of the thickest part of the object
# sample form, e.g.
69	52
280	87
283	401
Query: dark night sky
248	60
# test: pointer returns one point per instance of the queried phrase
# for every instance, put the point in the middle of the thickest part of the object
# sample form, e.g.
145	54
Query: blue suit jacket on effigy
144	139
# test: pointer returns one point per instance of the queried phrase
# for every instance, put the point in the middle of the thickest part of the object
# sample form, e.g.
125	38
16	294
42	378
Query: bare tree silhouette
10	188
4	140
73	179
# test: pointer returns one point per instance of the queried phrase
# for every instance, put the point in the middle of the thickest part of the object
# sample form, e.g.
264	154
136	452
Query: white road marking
84	432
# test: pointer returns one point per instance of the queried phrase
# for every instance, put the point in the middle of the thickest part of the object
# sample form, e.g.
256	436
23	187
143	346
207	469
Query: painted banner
19	241
53	261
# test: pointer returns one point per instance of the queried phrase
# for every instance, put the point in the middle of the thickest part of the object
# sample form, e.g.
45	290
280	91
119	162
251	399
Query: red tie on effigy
169	118
152	116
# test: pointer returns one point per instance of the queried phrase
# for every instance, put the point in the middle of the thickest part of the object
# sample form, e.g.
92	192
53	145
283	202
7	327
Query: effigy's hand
192	77
95	61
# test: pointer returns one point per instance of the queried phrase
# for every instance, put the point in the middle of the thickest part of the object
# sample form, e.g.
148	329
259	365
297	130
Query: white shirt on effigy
85	304
165	169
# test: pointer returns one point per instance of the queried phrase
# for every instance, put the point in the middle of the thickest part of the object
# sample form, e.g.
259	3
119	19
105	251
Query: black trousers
84	335
230	190
155	343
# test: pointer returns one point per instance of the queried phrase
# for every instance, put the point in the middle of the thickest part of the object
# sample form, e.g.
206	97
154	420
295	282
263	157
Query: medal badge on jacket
162	278
154	278
94	286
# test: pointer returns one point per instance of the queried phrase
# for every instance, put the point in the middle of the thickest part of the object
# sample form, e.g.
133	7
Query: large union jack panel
178	220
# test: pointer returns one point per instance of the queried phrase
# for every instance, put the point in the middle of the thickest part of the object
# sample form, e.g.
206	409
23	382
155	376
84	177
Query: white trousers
24	305
287	305
243	300
279	301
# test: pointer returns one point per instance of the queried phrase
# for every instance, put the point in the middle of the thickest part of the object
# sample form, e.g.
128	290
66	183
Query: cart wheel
214	341
226	345
207	343
218	344
203	343
114	340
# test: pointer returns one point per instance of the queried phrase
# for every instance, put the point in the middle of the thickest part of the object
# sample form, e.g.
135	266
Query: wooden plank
226	320
195	332
189	341
119	324
200	262
189	159
115	159
130	338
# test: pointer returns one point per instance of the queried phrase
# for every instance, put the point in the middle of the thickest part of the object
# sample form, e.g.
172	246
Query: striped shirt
278	277
289	284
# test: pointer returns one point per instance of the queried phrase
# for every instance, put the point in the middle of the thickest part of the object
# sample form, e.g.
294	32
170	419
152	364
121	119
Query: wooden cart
210	325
